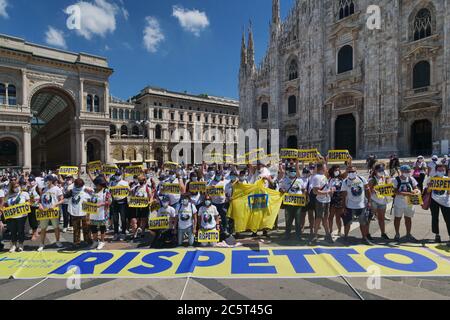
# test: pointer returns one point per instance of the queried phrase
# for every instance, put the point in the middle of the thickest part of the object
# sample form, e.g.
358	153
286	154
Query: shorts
408	212
378	206
363	215
44	223
96	226
138	213
322	209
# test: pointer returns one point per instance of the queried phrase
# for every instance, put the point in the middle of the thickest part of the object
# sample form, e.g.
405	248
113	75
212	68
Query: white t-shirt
265	173
17	198
207	217
75	203
356	196
121	183
374	195
218	200
174	198
320	181
441	197
164	212
67	188
99	197
2	193
432	165
185	215
292	186
50	197
405	186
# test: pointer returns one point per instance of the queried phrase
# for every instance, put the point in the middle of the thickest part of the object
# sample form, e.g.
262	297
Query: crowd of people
335	194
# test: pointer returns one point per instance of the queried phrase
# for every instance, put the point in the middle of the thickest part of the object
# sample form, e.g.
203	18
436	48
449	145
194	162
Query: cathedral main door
345	133
421	138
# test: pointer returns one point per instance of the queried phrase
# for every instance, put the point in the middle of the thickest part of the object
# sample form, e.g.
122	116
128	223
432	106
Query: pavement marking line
29	289
185	287
353	288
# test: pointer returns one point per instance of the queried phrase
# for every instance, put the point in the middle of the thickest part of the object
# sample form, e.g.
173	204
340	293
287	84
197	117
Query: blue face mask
217	178
208	203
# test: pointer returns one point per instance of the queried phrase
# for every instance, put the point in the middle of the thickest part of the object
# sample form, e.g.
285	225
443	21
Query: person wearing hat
420	171
119	206
220	201
67	185
186	222
102	198
432	166
166	211
80	220
51	198
404	186
379	203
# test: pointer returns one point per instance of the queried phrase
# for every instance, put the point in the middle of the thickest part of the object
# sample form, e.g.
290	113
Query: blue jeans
189	232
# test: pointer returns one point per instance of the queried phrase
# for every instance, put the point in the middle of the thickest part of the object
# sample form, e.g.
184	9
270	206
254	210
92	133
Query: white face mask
165	205
352	176
440	174
337	174
16	189
406	175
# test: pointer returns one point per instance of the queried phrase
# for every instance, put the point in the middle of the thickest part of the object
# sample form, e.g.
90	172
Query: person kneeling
209	219
186	223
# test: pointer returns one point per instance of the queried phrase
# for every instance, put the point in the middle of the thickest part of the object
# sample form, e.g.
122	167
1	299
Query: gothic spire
251	47
243	51
275	12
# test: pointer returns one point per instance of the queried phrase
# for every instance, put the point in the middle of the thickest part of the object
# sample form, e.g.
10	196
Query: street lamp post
143	124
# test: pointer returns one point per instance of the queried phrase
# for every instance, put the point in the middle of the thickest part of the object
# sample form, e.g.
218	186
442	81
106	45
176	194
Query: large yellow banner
215	263
254	207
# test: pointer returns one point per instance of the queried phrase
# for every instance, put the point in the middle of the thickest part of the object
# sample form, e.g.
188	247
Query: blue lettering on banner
241	261
419	262
297	259
154	259
343	257
85	266
192	260
120	263
258	201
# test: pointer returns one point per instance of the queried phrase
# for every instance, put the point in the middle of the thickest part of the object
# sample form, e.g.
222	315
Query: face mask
217	178
211	174
118	178
380	174
208	203
352	176
233	178
135	181
165	205
16	189
406	175
440	174
194	179
241	179
337	174
185	202
292	175
173	177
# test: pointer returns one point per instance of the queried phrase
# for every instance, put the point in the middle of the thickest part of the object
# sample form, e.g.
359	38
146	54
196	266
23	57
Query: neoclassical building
328	81
56	109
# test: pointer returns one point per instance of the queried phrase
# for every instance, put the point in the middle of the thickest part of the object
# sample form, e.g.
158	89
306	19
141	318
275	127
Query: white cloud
98	18
191	20
153	34
55	37
3	5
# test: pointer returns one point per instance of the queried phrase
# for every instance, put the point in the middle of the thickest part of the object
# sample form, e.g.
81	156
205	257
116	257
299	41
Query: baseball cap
405	168
435	157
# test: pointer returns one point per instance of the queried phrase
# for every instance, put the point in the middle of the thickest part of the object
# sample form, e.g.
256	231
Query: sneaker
369	237
70	229
367	242
314	239
437	239
59	244
397	238
64	230
101	245
13	249
385	236
387	218
329	238
20	248
40	249
116	237
410	238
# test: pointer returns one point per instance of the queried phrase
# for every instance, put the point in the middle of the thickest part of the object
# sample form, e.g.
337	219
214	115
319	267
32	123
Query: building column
81	93
108	146
26	148
82	146
106	98
24	89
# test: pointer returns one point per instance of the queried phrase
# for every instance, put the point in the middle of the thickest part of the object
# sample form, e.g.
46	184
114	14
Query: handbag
426	201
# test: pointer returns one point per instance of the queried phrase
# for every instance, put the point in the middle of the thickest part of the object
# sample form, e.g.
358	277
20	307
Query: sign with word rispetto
138	202
133	170
170	188
89	208
119	192
16	211
308	155
415	200
159	223
94	166
47	214
207	236
385	190
439	184
195	187
68	171
155	206
215	191
171	165
295	200
109	169
338	155
288	153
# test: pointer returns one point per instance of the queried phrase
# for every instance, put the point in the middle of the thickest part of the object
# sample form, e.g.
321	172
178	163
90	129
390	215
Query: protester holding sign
119	204
102	198
440	201
323	192
337	205
67	184
379	202
32	190
219	199
138	215
291	184
186	224
208	217
77	196
405	186
16	224
196	188
171	179
162	235
51	198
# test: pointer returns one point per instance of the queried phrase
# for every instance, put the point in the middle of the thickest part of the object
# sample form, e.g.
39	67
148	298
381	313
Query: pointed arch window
423	27
293	70
346	8
124	131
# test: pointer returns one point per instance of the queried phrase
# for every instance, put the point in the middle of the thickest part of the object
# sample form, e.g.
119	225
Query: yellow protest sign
308	155
215	191
47	214
171	165
170	188
68	171
296	200
159	223
16	211
415	200
131	171
89	208
439	184
155	206
196	187
109	169
138	202
385	190
94	166
288	153
119	192
208	236
338	155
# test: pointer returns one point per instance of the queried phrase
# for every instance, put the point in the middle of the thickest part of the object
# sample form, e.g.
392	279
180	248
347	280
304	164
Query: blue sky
190	45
